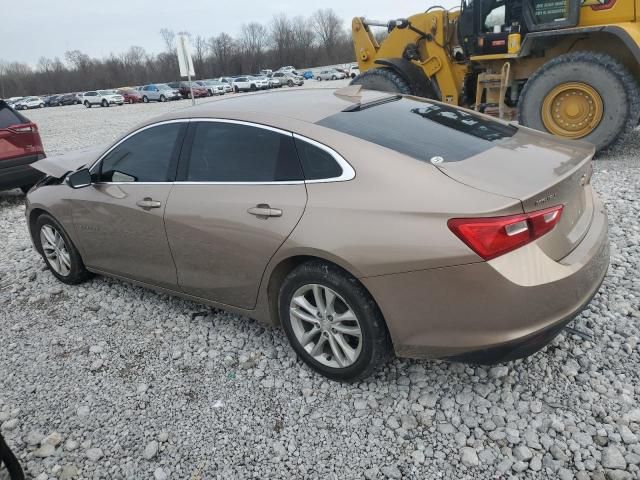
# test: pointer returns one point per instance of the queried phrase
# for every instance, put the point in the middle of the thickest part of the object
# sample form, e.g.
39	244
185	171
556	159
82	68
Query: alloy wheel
55	250
325	326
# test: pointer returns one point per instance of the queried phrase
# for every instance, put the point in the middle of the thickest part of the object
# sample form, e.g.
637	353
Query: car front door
119	218
238	195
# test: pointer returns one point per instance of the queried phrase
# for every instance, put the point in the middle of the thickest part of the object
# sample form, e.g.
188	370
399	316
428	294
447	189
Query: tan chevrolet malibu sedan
362	222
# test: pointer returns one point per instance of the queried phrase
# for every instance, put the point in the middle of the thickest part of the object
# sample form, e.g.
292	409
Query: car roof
309	105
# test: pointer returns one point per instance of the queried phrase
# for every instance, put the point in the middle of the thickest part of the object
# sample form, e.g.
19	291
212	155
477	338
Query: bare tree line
319	39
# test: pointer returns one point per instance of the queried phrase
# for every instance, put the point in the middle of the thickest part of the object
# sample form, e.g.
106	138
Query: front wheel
87	104
163	98
59	252
104	103
145	99
582	95
290	83
332	322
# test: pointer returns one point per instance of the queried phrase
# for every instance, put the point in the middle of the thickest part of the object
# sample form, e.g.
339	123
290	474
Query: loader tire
582	95
384	80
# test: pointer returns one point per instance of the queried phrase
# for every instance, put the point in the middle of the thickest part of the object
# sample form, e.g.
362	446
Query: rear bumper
484	313
18	172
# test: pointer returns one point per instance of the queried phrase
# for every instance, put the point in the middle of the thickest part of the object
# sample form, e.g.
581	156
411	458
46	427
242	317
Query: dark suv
20	145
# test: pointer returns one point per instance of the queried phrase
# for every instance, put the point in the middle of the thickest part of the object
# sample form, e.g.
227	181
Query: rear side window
229	152
9	118
420	129
143	157
317	164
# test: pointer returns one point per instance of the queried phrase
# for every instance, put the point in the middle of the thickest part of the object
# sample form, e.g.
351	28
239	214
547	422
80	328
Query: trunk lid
541	172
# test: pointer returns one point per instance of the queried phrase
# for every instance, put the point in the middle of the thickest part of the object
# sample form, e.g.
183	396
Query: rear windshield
421	129
9	117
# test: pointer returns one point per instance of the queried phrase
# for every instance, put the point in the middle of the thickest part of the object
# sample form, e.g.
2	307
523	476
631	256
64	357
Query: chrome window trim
348	173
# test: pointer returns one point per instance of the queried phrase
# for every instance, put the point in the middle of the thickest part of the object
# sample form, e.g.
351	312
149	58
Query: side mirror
79	179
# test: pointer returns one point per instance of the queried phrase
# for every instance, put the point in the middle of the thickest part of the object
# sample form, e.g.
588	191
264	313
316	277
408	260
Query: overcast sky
48	28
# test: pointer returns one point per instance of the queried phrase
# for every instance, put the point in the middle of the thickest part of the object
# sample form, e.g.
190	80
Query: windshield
421	129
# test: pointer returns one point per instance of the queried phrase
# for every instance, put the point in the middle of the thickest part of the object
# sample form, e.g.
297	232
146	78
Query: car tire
290	83
163	98
334	77
253	88
340	356
617	96
87	104
42	105
104	103
384	80
145	99
69	268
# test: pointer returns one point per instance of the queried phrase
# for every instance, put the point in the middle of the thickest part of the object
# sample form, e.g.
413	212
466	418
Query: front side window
229	152
144	157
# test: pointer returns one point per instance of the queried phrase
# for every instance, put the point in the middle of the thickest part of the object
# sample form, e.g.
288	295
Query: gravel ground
108	380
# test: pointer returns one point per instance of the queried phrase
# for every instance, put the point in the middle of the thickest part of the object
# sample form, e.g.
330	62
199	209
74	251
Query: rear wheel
582	95
145	99
59	252
384	80
332	322
290	83
104	103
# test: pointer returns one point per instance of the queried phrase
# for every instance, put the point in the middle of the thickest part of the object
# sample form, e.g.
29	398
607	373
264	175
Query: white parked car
249	84
288	68
28	103
227	82
261	82
104	98
330	74
289	78
354	70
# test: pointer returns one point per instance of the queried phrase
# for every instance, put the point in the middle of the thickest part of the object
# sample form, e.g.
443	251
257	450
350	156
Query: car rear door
119	218
239	194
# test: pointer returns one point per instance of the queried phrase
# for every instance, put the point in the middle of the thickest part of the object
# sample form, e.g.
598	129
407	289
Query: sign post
185	62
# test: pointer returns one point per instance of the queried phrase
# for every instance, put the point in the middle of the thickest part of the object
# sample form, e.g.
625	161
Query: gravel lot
112	381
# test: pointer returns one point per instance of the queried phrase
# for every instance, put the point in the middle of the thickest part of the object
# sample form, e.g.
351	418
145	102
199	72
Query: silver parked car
330	74
159	92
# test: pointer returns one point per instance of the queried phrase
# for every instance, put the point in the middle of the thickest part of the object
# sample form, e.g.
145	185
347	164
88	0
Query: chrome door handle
148	203
264	210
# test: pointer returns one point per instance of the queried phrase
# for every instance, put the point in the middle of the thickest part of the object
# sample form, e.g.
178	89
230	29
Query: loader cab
485	26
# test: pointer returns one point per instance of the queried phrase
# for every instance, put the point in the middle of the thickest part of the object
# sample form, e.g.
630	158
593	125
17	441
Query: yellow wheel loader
568	67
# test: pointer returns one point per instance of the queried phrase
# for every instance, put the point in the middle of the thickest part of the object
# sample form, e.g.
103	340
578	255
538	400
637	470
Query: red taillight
491	237
24	128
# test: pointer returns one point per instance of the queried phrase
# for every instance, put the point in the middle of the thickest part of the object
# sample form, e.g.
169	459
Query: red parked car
20	146
185	91
130	95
